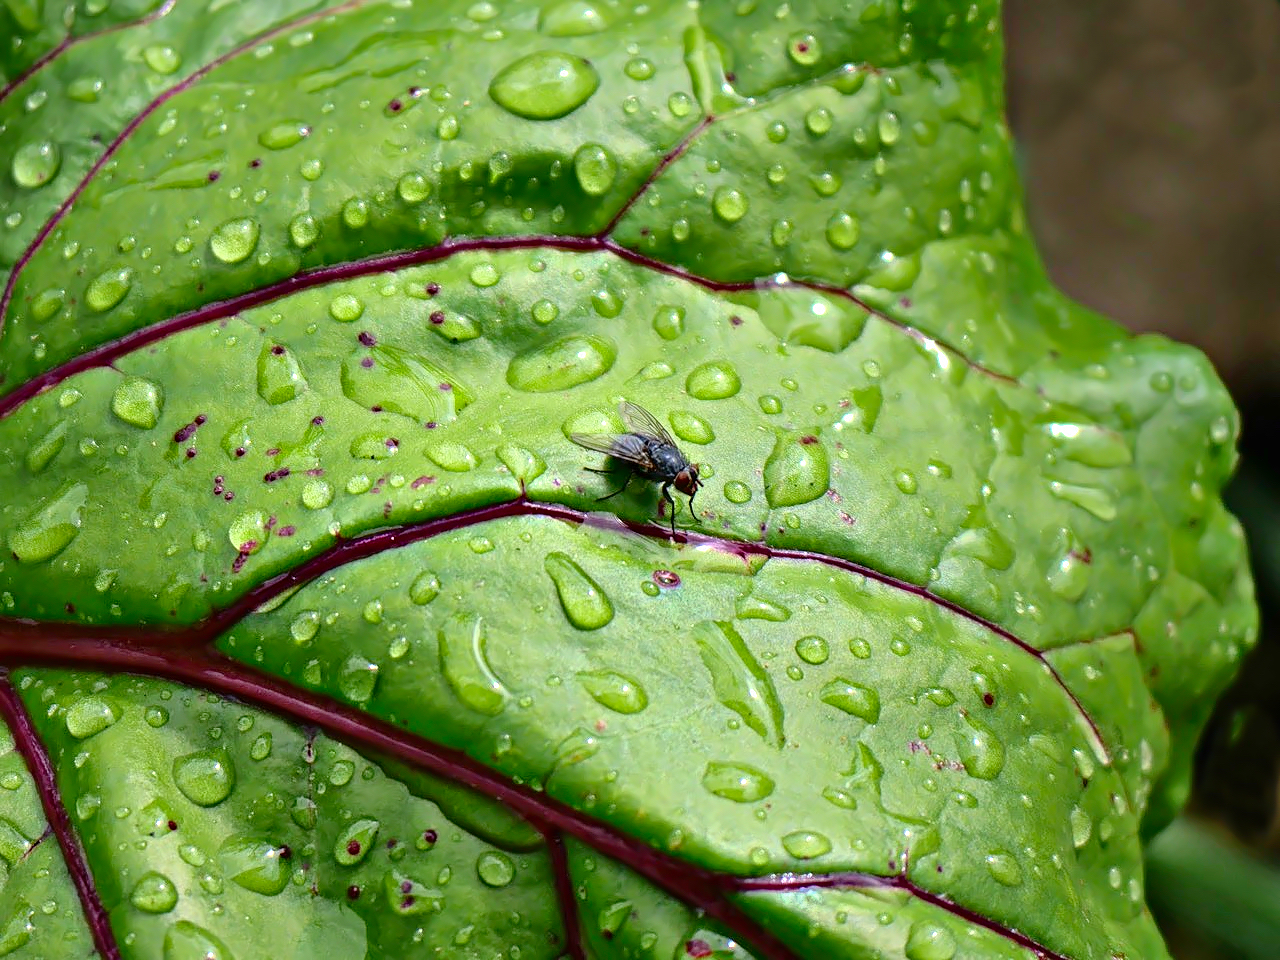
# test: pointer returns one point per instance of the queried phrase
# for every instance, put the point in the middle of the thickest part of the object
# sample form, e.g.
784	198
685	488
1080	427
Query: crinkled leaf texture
317	640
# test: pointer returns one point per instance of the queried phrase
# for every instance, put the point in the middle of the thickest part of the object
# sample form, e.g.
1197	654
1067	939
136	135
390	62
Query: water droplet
544	85
843	230
162	59
735	491
525	465
561	364
355	213
889	127
853	698
806	844
615	691
248	532
572	18
1081	827
1097	501
303	230
205	777
740	683
413	188
138	401
544	312
585	604
669	321
35	164
156	716
1090	444
425	588
729	204
1004	868
981	752
234	240
796	471
818	121
260	749
346	308
462	642
284	134
713	381
90	715
317	494
255	864
353	843
280	377
154	893
484	275
357	678
1069	575
691	427
595	169
680	104
108	288
803	49
813	650
495	869
48	530
927	941
737	782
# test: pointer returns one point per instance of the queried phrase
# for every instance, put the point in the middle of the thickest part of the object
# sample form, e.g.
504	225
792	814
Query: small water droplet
544	312
691	427
818	121
525	465
260	749
284	134
156	716
668	321
35	164
234	240
729	204
561	364
615	691
544	85
413	188
1081	827
425	588
573	18
735	491
206	777
346	308
738	782
163	59
355	213
843	230
1004	868
317	494
806	844
803	48
304	230
154	893
584	602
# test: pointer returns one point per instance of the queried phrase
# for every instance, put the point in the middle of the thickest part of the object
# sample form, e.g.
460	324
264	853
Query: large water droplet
425	588
495	869
35	164
357	678
280	376
740	683
585	603
51	527
465	667
691	427
544	85
561	364
108	288
843	230
255	864
154	893
234	240
715	380
796	471
729	204
853	698
186	941
90	715
982	752
813	650
206	777
138	401
737	781
806	844
595	168
615	691
402	382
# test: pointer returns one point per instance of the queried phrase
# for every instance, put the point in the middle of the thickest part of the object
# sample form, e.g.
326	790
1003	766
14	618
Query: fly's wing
626	447
641	420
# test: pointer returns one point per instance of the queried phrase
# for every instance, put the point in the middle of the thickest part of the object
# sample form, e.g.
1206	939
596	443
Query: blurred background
1149	134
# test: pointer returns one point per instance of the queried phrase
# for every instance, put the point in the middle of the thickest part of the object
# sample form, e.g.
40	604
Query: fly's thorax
668	460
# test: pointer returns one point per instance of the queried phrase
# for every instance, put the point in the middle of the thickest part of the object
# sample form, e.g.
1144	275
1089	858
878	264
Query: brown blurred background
1149	133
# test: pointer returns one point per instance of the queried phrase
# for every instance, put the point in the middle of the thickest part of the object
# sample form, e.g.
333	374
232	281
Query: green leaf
322	641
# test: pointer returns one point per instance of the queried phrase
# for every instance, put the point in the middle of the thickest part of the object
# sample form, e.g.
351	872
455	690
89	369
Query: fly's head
687	482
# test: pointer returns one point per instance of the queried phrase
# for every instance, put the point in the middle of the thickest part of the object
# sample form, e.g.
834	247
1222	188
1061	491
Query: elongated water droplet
35	164
42	452
584	602
806	844
234	240
284	134
1097	501
280	376
525	465
451	456
185	941
108	288
981	752
154	893
796	471
354	842
544	85
740	683
561	364
595	169
206	777
357	678
853	698
1004	868
615	691
48	530
1090	444
738	782
255	864
716	380
465	667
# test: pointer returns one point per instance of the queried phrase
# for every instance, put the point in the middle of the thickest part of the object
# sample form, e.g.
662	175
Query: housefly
648	451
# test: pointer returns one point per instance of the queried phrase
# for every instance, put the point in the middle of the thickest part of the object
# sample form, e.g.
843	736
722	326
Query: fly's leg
625	483
666	495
